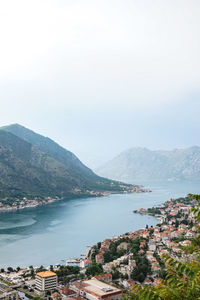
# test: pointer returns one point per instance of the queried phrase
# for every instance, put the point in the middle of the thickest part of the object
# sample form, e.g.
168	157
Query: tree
182	278
94	269
10	269
51	268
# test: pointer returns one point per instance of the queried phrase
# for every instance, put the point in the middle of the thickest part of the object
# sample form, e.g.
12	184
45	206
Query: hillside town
112	267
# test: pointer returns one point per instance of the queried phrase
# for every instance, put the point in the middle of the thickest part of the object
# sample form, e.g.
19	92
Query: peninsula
35	171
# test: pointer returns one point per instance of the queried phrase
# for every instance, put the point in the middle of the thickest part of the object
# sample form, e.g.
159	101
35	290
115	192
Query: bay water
53	233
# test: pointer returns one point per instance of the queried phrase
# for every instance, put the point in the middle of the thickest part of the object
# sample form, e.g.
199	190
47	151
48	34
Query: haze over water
46	235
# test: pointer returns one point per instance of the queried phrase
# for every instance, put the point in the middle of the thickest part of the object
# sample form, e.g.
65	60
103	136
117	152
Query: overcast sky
102	76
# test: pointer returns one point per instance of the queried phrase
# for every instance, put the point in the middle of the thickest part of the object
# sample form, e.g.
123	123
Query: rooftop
99	288
46	274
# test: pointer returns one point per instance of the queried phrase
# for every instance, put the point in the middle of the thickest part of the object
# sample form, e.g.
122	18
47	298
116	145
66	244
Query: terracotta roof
67	292
55	295
102	276
46	274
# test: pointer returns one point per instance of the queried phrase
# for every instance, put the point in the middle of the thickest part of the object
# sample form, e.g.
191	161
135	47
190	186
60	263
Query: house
99	258
85	263
67	293
74	262
124	246
128	283
152	247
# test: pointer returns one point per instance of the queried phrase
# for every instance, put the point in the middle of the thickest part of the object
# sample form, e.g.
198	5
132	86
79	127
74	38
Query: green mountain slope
35	166
140	164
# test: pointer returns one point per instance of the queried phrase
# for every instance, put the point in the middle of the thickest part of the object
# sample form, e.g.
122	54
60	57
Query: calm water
62	230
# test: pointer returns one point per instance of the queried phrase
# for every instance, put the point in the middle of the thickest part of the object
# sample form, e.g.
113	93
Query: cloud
116	51
77	64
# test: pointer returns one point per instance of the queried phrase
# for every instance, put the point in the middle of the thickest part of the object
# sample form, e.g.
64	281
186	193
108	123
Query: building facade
46	281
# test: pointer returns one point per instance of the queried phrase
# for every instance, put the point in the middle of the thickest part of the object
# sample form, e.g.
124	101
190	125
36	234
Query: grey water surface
49	234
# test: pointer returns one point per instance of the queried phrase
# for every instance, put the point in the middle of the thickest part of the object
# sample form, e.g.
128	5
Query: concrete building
46	281
74	262
95	290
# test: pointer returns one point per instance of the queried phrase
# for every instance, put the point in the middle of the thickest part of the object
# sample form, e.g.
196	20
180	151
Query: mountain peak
32	165
142	164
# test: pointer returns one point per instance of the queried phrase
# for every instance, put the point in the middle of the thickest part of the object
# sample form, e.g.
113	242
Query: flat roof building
94	289
46	281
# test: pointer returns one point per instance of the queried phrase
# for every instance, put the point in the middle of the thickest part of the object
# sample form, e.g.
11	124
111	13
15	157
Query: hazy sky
102	76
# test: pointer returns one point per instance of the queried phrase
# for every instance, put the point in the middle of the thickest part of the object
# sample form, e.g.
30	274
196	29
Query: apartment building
46	281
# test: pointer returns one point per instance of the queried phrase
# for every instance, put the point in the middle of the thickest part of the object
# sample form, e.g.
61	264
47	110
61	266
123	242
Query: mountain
140	164
35	166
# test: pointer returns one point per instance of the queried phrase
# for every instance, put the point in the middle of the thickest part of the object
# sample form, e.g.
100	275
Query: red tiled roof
67	292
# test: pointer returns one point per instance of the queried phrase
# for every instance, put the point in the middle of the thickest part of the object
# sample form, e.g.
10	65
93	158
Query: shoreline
50	200
88	249
83	255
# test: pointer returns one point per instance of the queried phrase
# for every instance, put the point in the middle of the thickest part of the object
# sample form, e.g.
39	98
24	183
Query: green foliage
10	269
143	268
40	269
115	274
154	211
113	253
94	269
182	283
68	270
36	167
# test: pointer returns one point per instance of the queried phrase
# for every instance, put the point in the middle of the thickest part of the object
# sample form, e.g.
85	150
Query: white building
74	262
95	290
46	281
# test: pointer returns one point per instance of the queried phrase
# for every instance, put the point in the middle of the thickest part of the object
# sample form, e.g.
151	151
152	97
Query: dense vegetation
67	273
142	264
154	211
35	166
113	253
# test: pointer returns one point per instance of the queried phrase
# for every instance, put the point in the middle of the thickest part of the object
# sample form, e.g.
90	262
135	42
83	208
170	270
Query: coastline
165	209
49	200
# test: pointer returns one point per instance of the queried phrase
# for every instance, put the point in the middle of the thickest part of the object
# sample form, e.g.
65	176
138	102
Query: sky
100	77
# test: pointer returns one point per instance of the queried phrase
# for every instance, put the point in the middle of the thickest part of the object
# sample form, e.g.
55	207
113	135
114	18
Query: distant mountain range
141	164
32	165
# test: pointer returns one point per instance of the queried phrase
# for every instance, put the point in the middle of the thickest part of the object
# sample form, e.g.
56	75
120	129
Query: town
111	267
9	204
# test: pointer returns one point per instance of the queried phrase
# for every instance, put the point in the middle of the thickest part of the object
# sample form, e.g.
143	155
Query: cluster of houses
105	245
26	203
176	229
